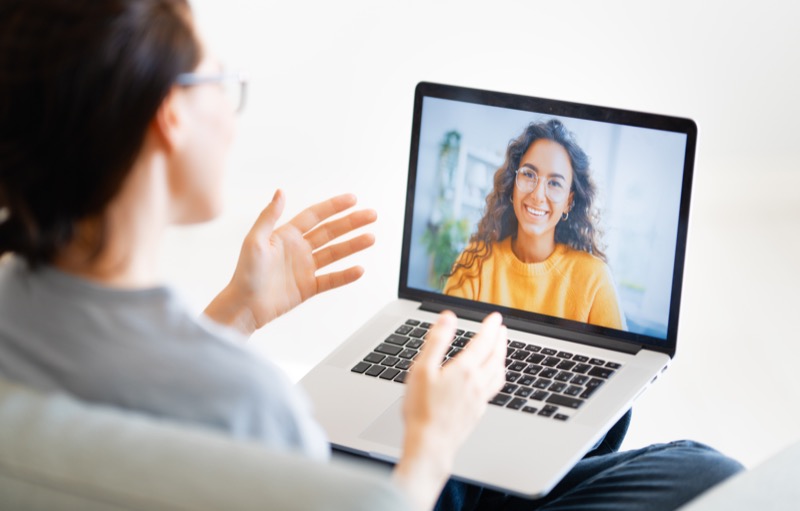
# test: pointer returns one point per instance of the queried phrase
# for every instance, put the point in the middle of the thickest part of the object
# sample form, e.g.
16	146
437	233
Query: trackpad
387	429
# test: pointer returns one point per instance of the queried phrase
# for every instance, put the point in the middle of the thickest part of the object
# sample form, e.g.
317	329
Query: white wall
329	111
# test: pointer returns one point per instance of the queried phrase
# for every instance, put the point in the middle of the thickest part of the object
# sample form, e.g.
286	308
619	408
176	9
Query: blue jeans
661	476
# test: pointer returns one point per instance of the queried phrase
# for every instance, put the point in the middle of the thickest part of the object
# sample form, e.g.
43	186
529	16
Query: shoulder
584	264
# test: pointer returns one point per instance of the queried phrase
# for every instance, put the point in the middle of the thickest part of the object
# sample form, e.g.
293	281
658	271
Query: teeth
536	212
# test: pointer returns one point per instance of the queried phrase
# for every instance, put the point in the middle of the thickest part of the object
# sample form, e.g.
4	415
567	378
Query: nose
539	190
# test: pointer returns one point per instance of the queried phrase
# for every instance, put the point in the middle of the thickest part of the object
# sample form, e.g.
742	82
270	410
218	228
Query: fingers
265	223
324	233
437	342
485	343
328	255
314	215
338	278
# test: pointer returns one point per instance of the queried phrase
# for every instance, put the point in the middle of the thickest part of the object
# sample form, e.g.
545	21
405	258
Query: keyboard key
573	390
469	335
561	416
509	388
500	399
526	380
390	373
597	361
536	358
548	373
374	370
425	324
516	345
613	365
551	361
404	365
548	351
401	378
414	344
579	379
548	410
460	342
564	354
581	368
388	349
520	355
511	376
517	366
524	392
407	354
412	322
517	403
459	332
563	376
390	361
566	365
403	329
557	387
580	358
374	358
418	332
398	340
542	383
529	409
360	367
539	395
601	372
533	348
533	369
569	402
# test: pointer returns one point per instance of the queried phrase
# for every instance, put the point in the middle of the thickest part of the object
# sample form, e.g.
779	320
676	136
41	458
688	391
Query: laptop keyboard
539	380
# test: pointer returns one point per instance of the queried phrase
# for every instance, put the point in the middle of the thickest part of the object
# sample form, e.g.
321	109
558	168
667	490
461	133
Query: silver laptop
572	372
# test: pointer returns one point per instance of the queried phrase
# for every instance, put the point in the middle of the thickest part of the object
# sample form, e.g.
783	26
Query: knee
705	465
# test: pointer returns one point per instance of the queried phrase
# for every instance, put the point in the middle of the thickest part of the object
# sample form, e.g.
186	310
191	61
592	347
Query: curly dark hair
579	231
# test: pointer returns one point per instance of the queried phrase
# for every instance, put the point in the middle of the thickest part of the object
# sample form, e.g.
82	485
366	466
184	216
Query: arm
443	404
277	268
606	309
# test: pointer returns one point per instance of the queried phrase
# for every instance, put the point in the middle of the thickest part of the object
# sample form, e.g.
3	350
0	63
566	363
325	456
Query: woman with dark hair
537	246
113	125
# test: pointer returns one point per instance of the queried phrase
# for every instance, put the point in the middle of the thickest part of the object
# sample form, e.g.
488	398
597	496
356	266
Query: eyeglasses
234	85
554	188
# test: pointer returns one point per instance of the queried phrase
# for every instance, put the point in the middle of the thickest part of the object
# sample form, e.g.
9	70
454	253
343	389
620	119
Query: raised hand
443	404
277	268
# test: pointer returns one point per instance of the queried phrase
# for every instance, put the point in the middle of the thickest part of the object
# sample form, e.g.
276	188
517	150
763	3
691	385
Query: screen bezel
539	323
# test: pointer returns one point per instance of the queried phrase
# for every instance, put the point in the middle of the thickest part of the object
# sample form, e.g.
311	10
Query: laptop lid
636	216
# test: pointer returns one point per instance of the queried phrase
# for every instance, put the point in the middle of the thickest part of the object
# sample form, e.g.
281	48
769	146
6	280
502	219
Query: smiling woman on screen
537	245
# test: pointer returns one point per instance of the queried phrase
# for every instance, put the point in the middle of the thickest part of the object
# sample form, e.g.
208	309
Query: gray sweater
141	350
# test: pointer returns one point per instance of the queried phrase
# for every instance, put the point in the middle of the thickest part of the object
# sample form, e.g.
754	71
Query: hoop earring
564	216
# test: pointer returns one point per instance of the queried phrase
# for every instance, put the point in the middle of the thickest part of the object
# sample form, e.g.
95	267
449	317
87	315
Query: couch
60	454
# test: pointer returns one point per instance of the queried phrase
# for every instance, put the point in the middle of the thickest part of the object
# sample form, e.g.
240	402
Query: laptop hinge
537	328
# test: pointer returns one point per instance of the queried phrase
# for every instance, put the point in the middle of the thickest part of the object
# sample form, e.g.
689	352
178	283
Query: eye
528	174
555	184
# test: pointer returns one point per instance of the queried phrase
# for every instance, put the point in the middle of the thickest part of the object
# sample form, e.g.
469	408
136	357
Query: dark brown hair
80	80
499	222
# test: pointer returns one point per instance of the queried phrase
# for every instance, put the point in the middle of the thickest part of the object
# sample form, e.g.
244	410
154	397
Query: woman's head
80	83
548	157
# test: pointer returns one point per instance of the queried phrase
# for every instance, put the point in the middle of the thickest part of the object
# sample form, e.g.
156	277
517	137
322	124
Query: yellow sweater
570	284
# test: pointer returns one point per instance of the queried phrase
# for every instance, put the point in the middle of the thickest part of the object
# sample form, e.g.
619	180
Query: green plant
444	242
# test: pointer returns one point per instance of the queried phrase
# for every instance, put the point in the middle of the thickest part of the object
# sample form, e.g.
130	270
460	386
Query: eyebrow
533	168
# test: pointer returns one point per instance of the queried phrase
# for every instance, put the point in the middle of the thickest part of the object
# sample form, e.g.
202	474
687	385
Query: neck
530	248
130	230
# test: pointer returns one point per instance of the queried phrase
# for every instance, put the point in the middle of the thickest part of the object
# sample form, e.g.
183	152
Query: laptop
570	374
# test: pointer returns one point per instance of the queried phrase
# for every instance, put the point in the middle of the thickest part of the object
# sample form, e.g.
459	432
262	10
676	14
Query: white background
329	111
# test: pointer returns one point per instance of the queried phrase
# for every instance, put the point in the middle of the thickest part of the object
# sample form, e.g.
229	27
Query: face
537	214
208	123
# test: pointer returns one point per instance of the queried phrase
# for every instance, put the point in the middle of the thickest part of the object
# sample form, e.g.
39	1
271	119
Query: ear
167	125
570	201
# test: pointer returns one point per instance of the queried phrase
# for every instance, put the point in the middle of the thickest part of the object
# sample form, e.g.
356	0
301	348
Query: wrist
231	310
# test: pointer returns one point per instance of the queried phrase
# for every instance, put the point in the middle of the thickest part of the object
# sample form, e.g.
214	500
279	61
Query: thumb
265	223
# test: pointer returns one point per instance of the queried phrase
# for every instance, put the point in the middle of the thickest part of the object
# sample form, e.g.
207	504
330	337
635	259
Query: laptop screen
556	213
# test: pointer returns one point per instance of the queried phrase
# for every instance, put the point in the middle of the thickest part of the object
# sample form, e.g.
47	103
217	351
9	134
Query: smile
535	212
